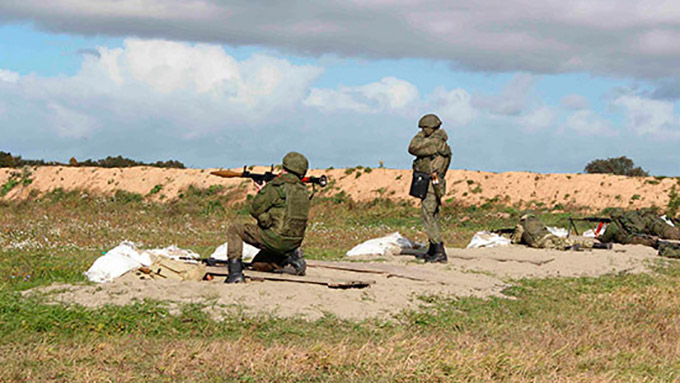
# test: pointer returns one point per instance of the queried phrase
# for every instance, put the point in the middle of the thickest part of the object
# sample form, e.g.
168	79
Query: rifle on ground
600	223
505	230
266	177
208	261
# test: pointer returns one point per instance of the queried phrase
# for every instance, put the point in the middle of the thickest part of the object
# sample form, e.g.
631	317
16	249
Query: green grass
613	328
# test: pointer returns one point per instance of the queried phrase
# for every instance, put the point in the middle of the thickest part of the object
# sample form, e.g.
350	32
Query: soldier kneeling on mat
281	209
532	232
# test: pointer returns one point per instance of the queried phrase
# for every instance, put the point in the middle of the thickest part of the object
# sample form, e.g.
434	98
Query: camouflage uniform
658	227
630	228
433	155
281	209
669	249
533	233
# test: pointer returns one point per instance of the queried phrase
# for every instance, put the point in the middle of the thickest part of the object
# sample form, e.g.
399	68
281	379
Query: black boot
438	254
603	246
235	271
430	252
295	263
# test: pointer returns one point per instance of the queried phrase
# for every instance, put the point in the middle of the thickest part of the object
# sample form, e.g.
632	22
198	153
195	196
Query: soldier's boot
235	271
295	263
438	254
429	253
603	246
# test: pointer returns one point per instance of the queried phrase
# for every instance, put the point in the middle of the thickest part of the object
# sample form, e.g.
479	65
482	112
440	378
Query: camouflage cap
429	121
527	214
295	163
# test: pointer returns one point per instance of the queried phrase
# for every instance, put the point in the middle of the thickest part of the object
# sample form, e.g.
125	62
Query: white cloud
538	119
513	99
194	89
454	107
655	118
8	76
389	94
589	123
70	123
635	38
574	102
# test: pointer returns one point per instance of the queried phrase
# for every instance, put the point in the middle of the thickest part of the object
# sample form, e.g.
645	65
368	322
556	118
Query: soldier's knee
234	228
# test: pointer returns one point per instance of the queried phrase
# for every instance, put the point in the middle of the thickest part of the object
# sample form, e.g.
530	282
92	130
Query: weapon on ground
266	177
600	223
505	230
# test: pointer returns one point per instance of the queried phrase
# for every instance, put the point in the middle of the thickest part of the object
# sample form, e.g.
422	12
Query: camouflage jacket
432	152
281	209
533	230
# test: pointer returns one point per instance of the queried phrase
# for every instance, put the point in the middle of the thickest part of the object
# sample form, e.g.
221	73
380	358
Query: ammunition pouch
419	185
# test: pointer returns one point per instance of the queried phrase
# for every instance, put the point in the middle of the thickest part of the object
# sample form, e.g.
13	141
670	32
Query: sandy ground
469	187
473	272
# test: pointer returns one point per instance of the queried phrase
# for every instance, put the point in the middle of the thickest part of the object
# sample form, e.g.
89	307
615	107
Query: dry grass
618	328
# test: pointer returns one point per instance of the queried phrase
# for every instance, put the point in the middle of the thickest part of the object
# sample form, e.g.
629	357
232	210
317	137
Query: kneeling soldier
281	209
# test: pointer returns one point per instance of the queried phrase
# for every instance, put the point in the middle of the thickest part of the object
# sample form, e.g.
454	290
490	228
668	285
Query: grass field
613	328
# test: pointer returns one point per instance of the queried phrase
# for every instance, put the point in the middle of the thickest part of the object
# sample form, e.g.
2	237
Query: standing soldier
433	157
281	209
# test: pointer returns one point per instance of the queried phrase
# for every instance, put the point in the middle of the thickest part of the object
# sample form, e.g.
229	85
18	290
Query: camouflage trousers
552	241
670	232
669	249
429	213
265	260
237	233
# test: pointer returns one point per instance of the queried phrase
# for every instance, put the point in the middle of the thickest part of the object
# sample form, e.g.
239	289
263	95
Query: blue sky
343	82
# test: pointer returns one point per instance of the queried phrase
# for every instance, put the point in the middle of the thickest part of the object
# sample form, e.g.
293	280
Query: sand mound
474	272
468	187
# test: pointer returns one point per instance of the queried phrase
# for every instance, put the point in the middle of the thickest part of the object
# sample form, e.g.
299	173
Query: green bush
622	166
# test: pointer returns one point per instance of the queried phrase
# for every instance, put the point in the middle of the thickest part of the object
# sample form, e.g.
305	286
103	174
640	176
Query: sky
520	85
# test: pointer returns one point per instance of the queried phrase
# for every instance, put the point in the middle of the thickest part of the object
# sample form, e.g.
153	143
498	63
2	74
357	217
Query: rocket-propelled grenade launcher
266	177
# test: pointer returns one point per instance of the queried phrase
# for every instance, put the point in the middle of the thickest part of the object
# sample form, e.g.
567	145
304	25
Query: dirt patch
594	191
474	272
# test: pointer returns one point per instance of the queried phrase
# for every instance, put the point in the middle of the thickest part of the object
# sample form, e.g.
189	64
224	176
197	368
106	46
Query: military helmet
429	121
295	163
527	214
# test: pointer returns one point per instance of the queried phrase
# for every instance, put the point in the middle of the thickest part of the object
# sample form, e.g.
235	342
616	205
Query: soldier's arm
262	202
422	146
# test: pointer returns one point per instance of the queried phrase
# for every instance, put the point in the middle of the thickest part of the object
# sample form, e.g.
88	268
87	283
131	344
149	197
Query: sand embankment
468	187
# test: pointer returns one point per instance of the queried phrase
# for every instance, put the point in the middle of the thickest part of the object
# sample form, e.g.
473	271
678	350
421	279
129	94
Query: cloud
8	76
394	96
454	106
193	89
649	117
574	102
538	119
513	100
70	123
588	123
389	94
637	39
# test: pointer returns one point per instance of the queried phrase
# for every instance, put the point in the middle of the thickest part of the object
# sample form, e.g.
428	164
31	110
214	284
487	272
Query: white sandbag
391	244
249	252
116	262
558	231
172	252
487	239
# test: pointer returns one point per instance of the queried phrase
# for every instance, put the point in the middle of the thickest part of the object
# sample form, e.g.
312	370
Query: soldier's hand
258	187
